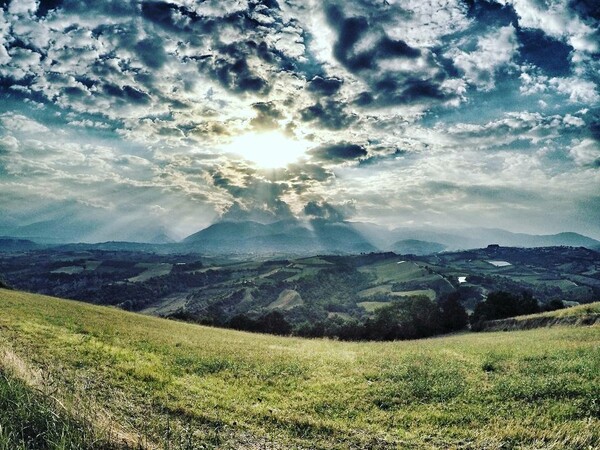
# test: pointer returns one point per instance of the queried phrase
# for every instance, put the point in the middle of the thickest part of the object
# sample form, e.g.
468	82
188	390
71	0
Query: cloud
152	52
327	211
325	86
586	153
329	114
338	152
267	116
395	72
120	105
494	51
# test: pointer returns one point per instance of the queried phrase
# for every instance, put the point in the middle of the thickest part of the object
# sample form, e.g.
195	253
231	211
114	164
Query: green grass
382	289
177	384
372	306
394	271
574	311
429	293
31	420
152	270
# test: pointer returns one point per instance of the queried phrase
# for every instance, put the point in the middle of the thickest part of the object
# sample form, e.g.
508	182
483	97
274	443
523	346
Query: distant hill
63	230
8	244
117	246
416	247
322	236
468	238
506	238
294	237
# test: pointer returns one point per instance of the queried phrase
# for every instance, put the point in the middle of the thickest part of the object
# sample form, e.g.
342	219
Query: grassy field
575	311
372	306
174	385
152	270
30	419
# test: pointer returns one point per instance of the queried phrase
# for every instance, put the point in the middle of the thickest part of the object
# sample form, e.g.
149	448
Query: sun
268	150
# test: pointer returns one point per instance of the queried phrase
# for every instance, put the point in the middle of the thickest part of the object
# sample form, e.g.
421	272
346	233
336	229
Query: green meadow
152	383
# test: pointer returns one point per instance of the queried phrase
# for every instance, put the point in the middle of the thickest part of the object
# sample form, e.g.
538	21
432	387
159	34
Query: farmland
305	290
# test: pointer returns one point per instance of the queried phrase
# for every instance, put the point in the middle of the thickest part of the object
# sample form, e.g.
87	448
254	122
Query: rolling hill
165	384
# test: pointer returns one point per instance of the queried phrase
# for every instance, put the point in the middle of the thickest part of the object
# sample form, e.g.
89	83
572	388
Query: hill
416	247
577	315
215	290
469	238
178	385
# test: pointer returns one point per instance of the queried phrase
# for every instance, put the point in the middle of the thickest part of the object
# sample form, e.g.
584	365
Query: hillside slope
588	314
182	384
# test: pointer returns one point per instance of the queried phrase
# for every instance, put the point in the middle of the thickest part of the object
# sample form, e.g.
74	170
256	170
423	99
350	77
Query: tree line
408	318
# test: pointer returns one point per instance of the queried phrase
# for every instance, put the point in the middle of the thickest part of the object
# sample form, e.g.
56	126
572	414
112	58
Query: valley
299	292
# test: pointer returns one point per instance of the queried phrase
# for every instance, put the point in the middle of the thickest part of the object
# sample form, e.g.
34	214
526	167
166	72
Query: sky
123	119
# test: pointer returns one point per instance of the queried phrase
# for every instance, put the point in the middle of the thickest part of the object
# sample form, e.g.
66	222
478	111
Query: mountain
461	239
286	236
9	244
64	230
486	236
323	236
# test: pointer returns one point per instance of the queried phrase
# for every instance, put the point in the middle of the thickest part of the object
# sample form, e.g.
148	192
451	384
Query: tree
409	318
501	305
453	314
274	323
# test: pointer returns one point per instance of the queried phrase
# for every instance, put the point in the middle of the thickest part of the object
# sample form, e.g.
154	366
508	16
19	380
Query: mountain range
321	236
310	237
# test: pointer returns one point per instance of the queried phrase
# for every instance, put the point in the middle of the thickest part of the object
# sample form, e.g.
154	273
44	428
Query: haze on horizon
124	119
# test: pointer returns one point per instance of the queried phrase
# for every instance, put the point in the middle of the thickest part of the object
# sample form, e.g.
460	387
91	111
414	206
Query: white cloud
578	90
22	7
17	122
586	152
556	19
494	51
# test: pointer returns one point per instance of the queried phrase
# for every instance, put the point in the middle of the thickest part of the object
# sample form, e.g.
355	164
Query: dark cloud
276	210
329	114
266	117
232	70
351	30
152	52
339	152
411	90
363	47
325	86
255	198
111	8
127	94
324	210
302	175
163	14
